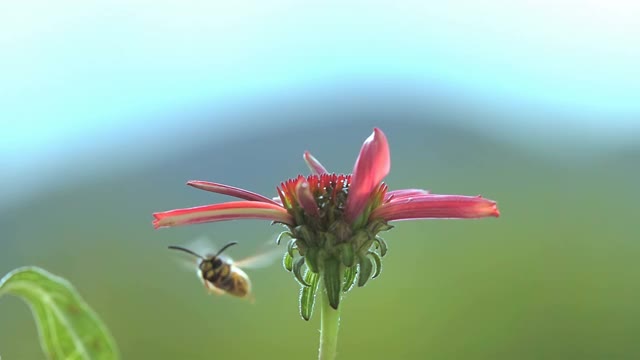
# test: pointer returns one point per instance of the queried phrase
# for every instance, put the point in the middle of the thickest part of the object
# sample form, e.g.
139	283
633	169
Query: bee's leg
251	298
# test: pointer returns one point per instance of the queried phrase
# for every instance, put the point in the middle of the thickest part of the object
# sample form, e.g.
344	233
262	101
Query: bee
221	275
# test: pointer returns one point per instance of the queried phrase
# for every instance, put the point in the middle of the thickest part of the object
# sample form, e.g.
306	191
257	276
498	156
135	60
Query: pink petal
314	164
372	165
396	195
221	212
437	207
229	190
306	199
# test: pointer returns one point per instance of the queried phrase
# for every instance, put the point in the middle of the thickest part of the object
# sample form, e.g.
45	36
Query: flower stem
329	325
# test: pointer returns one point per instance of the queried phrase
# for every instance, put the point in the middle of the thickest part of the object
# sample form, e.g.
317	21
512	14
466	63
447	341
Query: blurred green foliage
555	277
68	328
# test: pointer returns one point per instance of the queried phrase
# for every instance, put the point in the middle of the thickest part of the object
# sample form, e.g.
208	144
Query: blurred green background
109	115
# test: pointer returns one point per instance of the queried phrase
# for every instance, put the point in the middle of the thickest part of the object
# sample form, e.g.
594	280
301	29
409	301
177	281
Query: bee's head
208	263
211	263
205	265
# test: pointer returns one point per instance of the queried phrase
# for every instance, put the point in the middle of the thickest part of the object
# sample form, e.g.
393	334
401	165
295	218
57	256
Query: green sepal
366	268
379	226
382	245
347	256
283	234
327	240
301	247
291	246
333	280
303	232
308	295
312	259
298	214
360	238
349	278
361	219
378	262
297	271
367	244
341	229
287	262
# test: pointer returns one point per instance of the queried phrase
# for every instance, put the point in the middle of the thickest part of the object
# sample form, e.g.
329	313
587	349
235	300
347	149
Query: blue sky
73	70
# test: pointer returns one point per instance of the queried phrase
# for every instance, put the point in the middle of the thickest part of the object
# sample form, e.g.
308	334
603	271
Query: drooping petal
314	164
396	195
229	190
220	212
437	207
306	199
372	165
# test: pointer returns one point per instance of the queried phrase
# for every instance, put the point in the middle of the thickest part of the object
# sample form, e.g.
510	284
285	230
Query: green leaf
308	295
68	327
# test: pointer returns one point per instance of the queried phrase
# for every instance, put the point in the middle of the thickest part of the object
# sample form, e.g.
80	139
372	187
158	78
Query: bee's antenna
225	248
186	250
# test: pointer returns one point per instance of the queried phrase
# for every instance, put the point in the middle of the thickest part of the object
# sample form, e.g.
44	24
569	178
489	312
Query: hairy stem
329	325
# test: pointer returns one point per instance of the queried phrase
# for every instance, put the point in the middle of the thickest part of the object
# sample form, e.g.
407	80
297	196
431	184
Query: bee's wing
187	264
203	245
260	260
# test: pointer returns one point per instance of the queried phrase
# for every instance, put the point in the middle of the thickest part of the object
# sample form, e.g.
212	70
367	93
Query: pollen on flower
328	190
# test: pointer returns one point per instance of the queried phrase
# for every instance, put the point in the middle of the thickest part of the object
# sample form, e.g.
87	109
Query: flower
333	220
